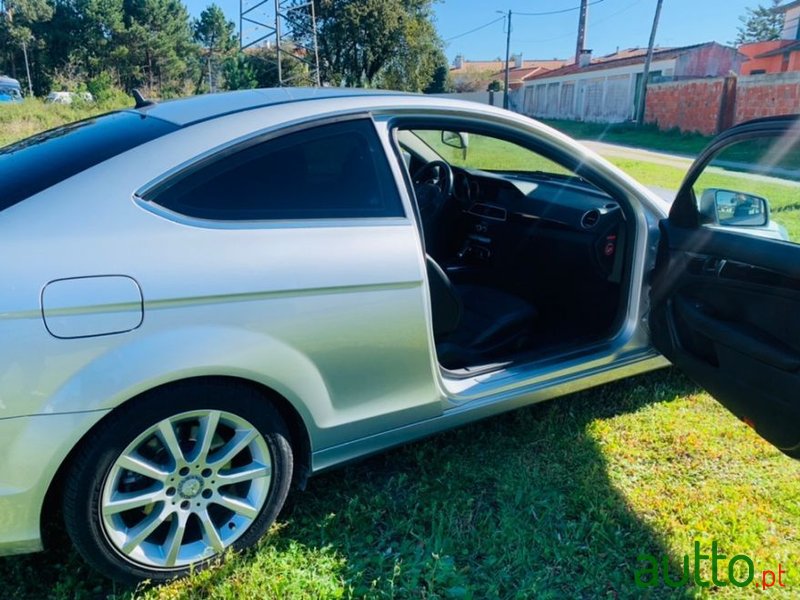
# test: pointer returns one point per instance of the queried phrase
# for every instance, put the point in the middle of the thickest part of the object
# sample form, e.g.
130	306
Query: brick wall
695	105
692	105
767	95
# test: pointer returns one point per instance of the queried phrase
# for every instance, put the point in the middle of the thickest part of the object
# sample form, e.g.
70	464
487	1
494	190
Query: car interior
525	259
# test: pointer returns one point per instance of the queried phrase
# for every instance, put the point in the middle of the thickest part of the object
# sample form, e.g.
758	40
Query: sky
612	24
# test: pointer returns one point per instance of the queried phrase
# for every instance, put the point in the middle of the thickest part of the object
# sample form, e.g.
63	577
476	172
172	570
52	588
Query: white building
607	89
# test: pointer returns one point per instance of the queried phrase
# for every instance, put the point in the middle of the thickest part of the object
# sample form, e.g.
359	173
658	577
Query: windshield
7	90
41	161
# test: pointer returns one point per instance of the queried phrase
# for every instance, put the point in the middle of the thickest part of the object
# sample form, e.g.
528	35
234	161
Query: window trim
243	143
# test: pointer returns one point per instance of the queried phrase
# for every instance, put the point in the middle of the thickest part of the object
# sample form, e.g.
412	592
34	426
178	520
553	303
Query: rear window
34	164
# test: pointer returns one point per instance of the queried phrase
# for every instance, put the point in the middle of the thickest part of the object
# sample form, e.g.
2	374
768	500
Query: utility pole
581	30
27	68
640	108
289	24
508	60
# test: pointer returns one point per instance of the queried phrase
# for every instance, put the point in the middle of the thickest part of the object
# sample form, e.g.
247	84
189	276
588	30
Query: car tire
143	503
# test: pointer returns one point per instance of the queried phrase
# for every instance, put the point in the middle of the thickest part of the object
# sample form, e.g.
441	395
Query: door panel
726	290
725	312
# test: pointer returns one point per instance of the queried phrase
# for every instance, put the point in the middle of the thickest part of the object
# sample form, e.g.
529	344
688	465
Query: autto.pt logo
740	571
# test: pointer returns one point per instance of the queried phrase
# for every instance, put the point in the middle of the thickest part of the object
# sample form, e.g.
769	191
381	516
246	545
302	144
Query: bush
105	91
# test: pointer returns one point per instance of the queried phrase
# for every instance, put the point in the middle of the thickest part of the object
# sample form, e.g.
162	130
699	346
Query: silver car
206	301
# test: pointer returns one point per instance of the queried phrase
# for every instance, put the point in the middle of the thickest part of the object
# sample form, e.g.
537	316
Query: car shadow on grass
518	506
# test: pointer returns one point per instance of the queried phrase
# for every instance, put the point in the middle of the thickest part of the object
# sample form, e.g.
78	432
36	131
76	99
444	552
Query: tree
81	43
15	29
441	82
473	81
760	24
217	37
158	50
418	54
263	63
239	73
360	39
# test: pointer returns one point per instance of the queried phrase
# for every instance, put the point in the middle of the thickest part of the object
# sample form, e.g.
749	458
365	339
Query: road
660	158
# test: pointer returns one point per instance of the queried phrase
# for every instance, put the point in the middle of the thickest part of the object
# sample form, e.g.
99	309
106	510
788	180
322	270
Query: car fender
144	362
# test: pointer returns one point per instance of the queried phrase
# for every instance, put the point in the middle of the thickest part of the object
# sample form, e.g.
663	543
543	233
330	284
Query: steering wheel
433	185
436	173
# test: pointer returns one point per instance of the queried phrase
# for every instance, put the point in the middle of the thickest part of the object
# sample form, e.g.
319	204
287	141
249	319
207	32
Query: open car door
725	301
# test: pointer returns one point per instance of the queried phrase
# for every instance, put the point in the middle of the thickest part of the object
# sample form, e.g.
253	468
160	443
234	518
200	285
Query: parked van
10	90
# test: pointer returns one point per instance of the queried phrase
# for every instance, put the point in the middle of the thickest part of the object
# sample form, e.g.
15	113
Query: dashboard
562	201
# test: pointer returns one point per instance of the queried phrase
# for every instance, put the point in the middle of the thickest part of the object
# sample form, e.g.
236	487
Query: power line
595	23
523	14
555	12
484	26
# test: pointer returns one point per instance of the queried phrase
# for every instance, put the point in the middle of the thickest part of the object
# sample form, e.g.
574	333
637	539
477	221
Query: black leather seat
472	323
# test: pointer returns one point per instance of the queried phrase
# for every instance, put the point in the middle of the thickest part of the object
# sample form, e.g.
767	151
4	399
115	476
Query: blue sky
612	24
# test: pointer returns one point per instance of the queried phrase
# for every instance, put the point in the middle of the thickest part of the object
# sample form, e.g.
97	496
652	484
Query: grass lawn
626	134
784	200
552	501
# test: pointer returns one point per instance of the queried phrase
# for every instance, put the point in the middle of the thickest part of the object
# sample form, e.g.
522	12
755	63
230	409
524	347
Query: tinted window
330	171
36	163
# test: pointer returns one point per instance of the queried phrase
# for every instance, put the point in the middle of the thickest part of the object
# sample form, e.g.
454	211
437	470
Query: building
776	56
476	75
606	89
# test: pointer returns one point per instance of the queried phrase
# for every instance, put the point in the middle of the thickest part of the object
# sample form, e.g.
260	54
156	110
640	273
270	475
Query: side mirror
456	139
737	209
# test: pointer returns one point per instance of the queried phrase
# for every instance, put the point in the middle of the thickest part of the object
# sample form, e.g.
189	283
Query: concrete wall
692	105
603	95
608	95
767	95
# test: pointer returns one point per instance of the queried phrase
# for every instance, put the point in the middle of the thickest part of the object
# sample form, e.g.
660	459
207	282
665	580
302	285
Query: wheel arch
300	442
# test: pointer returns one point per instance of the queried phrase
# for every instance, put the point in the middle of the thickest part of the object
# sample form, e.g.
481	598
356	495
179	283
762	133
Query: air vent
590	218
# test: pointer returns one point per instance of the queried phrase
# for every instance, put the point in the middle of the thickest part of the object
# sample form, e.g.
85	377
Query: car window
489	154
329	171
10	91
36	163
753	186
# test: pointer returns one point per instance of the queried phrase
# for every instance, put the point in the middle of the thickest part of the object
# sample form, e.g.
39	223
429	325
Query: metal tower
288	25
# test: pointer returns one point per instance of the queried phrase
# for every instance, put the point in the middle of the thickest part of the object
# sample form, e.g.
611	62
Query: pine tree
760	24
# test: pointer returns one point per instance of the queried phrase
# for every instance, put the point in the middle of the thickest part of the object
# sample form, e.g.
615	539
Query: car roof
8	81
188	111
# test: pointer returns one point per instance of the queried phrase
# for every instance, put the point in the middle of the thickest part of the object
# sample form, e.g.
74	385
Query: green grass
552	501
626	134
784	200
491	154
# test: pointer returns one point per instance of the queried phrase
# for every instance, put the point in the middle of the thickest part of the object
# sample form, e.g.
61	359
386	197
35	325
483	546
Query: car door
725	300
